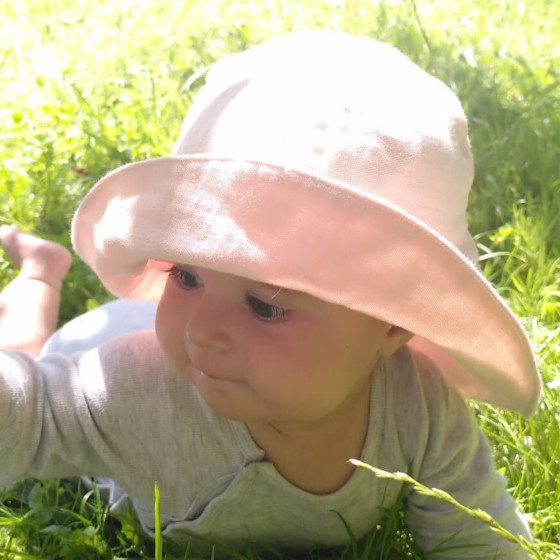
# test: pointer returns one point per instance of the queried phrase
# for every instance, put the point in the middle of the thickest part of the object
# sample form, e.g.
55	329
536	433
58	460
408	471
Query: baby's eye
266	311
185	278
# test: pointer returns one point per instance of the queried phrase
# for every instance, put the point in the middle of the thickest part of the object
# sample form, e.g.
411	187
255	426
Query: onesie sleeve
453	455
46	428
80	414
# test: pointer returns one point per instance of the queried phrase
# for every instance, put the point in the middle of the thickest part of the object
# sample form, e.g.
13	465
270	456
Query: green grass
61	519
90	86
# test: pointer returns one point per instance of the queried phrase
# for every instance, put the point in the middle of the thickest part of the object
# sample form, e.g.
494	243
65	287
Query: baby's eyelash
185	278
263	310
266	311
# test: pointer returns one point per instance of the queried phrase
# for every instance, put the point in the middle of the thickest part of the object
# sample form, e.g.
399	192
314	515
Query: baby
318	300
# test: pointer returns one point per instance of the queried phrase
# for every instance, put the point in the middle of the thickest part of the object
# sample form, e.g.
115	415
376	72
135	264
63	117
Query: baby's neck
316	459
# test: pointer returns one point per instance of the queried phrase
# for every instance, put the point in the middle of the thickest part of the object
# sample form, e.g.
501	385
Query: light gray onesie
120	411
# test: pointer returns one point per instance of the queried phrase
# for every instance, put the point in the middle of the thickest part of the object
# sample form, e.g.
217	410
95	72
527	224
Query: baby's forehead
281	289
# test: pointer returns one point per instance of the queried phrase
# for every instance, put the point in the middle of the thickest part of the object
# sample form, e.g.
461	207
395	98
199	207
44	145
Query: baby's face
258	353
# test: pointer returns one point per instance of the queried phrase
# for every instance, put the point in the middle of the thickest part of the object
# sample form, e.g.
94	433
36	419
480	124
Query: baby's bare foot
36	258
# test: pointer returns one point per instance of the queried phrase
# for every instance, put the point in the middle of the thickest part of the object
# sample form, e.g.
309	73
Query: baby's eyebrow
280	290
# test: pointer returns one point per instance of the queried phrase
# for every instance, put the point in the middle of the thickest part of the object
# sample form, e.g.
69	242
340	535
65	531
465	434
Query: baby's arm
107	412
44	427
29	304
455	457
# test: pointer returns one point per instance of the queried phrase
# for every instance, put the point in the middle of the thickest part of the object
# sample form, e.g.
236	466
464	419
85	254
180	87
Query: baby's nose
209	325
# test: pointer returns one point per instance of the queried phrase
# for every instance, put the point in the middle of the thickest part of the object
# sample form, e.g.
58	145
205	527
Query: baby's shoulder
128	370
412	376
414	413
140	347
418	400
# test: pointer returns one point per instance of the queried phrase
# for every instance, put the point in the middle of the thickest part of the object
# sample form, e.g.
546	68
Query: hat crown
347	109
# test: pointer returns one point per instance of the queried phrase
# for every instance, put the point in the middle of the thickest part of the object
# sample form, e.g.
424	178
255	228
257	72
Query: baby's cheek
167	335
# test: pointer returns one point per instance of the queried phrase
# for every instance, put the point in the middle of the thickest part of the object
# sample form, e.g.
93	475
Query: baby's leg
29	304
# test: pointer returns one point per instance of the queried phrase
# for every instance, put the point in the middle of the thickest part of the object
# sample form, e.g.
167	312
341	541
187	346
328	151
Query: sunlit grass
90	86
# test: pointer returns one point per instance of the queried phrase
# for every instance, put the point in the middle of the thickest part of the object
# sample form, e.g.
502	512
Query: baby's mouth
217	377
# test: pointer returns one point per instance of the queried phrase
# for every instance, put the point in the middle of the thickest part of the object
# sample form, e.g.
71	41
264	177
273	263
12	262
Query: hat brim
304	232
